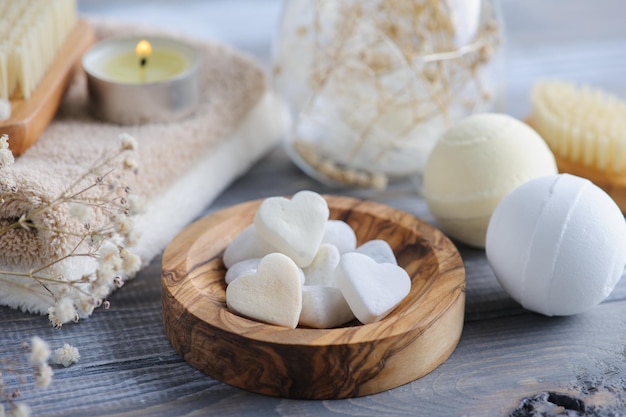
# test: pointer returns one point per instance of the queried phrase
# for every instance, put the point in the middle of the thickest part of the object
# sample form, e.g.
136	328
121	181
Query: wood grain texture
30	117
350	361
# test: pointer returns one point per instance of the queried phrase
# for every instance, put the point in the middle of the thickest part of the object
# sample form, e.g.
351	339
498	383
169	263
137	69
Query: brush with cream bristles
586	130
31	33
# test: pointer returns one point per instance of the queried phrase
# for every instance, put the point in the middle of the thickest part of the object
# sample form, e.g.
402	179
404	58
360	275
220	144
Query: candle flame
143	48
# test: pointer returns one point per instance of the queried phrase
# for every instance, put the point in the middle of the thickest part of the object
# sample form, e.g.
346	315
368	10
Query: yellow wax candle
160	65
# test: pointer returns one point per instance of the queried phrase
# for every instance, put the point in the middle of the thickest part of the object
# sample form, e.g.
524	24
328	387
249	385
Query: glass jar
372	84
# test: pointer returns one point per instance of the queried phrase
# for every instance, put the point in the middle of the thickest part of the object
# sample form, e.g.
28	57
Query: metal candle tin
169	98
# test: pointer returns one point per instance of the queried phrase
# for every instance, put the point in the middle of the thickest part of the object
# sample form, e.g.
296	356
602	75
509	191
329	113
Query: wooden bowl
350	361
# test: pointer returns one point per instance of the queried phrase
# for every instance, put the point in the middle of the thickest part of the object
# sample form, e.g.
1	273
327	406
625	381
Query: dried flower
130	262
130	163
4	141
64	310
43	376
109	258
6	156
129	143
66	355
123	225
40	351
20	410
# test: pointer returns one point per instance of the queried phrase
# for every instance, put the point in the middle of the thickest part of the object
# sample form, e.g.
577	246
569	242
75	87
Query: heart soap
372	290
321	271
294	227
246	245
272	295
324	307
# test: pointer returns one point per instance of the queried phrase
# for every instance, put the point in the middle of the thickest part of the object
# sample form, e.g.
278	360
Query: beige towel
182	166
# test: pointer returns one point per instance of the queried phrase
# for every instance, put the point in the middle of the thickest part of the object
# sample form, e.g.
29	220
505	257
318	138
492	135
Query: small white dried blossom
130	163
64	310
39	351
86	305
81	212
135	204
4	141
129	143
132	237
66	355
109	259
43	376
20	410
123	225
6	156
130	262
54	320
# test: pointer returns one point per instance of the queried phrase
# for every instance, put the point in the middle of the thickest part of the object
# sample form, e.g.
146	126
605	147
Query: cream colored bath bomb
557	244
474	165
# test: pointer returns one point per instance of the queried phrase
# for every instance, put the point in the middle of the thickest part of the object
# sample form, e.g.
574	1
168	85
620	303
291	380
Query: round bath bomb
476	163
557	244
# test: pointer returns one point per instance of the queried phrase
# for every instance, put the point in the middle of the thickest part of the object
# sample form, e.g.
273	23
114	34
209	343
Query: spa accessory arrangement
117	140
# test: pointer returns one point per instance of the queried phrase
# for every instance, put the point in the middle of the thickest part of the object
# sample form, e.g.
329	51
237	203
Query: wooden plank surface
128	368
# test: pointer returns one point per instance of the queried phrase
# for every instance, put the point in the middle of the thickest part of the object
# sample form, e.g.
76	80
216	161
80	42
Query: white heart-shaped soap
340	234
294	227
246	245
379	250
247	267
324	307
272	295
321	271
372	290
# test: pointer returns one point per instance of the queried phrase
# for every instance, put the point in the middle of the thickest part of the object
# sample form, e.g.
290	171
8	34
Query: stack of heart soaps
293	266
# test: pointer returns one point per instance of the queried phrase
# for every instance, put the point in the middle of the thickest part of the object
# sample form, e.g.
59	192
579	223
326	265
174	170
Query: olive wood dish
349	361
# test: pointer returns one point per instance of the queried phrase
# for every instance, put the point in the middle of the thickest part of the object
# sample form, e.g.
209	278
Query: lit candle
135	80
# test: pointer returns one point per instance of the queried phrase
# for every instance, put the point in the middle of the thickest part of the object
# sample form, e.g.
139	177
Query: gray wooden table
505	355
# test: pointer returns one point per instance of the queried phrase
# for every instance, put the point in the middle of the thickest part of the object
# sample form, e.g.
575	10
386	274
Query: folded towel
181	168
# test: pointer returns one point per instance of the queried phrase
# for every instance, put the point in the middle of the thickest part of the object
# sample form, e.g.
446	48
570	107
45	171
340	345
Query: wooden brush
41	44
31	34
586	130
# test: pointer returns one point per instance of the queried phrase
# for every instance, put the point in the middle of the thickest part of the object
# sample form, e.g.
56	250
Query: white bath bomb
557	244
476	163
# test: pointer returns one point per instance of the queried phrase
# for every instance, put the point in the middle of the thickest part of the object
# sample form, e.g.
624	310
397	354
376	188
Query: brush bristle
31	34
581	124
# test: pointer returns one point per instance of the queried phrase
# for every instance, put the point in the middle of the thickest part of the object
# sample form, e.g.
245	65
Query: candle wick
143	62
